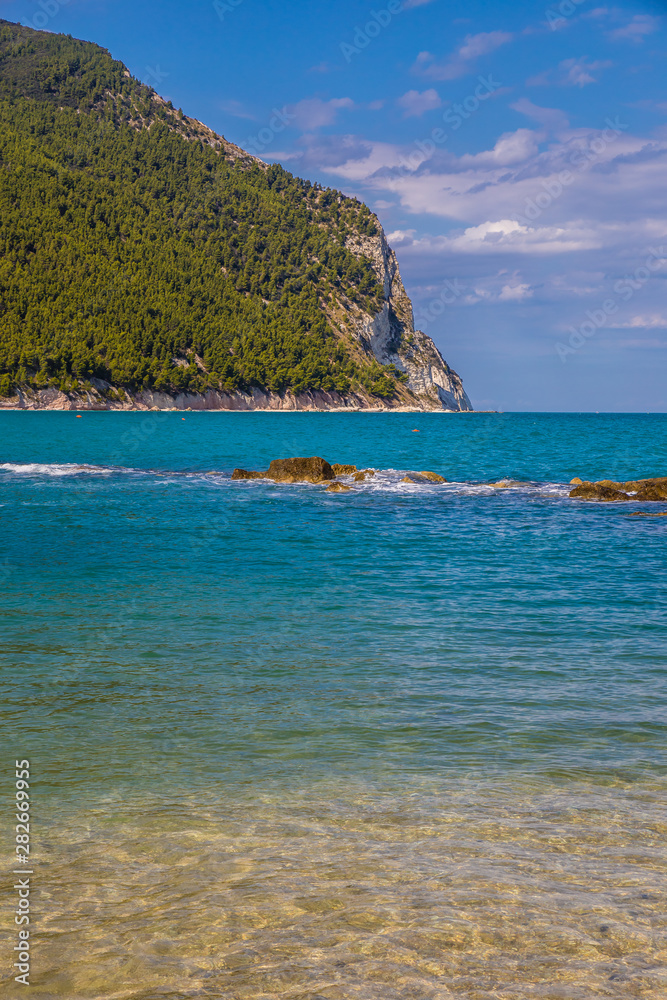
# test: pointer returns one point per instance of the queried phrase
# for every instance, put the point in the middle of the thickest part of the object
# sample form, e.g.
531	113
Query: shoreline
102	396
266	409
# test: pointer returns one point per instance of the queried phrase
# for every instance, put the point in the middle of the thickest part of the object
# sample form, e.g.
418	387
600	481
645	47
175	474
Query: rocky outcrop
423	477
390	336
245	474
634	489
300	470
651	491
591	491
338	488
343	470
292	470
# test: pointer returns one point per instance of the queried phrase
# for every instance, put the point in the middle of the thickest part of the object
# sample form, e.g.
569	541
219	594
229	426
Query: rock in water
593	491
337	488
364	474
433	477
244	474
651	491
343	470
411	479
576	481
300	470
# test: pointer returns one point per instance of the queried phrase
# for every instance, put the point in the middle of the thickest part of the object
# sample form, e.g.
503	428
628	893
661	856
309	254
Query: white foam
53	469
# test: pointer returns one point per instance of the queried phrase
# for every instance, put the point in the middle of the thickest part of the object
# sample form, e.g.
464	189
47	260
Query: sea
405	742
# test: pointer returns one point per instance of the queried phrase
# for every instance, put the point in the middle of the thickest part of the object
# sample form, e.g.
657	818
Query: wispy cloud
549	118
415	104
653	322
637	29
462	61
515	293
313	112
571	73
237	109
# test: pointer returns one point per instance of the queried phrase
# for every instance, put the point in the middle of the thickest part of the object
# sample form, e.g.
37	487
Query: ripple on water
472	890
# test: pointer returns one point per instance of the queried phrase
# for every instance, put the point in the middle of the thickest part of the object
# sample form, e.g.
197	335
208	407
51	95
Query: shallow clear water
407	741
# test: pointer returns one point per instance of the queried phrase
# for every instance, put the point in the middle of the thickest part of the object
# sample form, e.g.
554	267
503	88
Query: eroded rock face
651	491
390	336
609	489
595	491
343	470
300	470
633	485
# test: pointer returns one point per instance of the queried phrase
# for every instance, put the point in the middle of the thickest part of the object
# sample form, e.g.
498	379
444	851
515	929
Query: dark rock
343	470
633	485
300	470
244	474
594	491
652	491
337	488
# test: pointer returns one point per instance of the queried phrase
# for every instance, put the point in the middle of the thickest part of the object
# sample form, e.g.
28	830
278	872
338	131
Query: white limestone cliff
390	335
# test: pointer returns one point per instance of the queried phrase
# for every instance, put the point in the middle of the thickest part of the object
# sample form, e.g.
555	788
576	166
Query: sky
515	153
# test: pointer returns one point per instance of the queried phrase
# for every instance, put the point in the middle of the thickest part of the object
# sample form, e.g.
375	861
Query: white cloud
460	62
579	72
652	322
401	237
636	29
506	236
515	293
571	73
510	148
314	112
414	103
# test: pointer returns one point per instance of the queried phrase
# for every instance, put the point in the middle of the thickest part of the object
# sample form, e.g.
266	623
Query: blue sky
515	153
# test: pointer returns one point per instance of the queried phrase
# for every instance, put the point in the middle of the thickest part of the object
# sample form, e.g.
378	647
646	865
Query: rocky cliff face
391	338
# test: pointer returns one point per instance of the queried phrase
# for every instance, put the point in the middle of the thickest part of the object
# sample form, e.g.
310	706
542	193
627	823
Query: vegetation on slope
138	248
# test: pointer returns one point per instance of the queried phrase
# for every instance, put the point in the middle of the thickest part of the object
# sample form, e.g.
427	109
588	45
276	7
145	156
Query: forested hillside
139	248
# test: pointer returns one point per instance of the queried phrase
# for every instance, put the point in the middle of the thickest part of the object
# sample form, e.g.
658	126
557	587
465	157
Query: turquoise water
407	741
